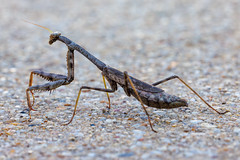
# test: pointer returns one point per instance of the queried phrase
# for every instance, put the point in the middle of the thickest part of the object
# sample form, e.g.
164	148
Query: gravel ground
199	41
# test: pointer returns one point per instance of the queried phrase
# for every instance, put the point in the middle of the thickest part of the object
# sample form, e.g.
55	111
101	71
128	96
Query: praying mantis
146	94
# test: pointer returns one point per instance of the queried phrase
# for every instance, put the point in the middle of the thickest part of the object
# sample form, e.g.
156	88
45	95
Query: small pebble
2	112
174	121
123	155
109	121
208	125
50	115
195	121
236	130
37	122
138	134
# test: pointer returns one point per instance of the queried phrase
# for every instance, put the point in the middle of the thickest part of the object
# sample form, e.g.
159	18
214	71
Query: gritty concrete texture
197	40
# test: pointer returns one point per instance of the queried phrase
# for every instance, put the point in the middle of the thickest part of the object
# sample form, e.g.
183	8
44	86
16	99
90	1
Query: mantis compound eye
53	37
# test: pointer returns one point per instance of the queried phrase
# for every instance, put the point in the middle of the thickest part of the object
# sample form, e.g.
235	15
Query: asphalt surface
152	40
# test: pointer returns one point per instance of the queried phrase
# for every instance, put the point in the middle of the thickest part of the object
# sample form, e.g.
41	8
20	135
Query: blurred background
154	39
157	38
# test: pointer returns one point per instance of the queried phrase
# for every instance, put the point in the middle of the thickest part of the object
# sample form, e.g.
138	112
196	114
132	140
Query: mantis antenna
49	30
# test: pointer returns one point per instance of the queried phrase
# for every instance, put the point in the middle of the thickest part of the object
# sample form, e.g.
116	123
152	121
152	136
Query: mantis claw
28	101
223	112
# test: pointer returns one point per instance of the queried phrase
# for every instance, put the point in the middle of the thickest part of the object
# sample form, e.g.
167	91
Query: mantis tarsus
145	93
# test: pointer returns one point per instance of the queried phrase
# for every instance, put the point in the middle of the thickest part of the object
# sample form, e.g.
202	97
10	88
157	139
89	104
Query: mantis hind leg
128	79
174	77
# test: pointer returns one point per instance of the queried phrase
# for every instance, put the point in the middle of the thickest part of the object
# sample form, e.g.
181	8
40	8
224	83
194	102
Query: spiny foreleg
44	75
57	81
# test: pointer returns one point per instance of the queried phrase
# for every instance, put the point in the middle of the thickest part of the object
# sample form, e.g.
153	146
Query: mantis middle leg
91	88
126	89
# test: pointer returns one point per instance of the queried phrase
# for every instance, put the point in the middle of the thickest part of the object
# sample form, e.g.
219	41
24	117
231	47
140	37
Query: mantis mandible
145	93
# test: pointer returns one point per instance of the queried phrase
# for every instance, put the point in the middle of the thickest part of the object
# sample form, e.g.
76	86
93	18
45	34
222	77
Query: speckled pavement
199	41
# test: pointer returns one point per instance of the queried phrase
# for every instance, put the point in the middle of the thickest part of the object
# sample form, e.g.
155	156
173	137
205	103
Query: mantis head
53	37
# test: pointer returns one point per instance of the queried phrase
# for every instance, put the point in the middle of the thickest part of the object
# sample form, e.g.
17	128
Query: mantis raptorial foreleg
57	81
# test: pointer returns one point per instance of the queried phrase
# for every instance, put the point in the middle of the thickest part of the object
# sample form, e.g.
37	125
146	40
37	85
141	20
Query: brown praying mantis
146	93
